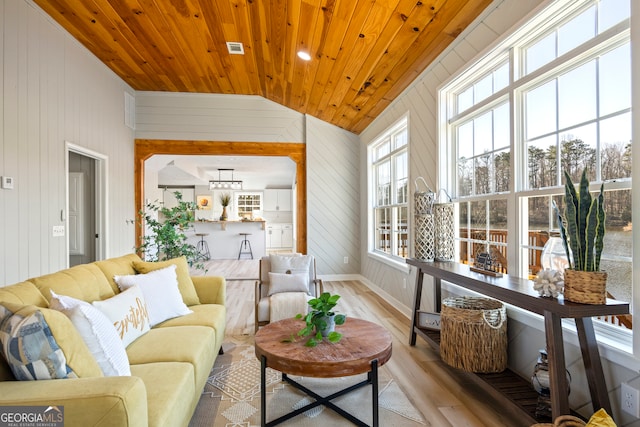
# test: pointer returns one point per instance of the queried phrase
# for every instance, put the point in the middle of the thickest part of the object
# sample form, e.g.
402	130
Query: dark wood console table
520	293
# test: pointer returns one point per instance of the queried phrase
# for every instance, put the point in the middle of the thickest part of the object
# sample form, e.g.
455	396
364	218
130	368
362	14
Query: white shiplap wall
333	197
53	90
420	101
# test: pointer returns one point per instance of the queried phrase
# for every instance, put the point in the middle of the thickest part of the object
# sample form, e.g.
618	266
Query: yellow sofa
169	364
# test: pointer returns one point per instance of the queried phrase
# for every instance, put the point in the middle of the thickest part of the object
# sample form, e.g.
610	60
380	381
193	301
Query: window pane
465	99
401	178
483	88
577	95
618	244
614	79
501	77
498	232
577	31
482	174
384	183
578	151
403	234
501	127
540	107
482	134
383	229
611	12
541	53
382	150
465	140
615	143
463	216
542	163
465	177
400	139
502	170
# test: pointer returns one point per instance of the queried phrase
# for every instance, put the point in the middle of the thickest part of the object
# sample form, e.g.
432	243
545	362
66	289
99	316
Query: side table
364	347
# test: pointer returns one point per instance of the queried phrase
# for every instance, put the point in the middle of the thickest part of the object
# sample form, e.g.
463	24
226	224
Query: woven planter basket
473	334
586	287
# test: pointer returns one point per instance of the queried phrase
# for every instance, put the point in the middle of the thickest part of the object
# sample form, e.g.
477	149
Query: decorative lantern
424	238
444	228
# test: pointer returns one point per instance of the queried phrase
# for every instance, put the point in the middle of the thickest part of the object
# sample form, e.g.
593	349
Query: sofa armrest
211	289
113	401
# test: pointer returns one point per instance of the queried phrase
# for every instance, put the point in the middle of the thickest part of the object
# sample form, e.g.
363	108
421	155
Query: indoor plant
164	237
582	230
225	199
321	320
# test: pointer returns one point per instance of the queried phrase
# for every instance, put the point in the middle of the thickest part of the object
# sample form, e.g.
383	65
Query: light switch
58	231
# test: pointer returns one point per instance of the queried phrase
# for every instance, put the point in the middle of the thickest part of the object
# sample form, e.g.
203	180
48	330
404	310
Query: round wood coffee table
363	348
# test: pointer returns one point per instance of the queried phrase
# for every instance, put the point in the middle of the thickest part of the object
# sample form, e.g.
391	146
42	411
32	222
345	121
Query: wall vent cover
235	48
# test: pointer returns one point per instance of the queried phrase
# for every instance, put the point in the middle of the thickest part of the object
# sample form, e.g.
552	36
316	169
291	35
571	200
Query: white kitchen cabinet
277	200
279	236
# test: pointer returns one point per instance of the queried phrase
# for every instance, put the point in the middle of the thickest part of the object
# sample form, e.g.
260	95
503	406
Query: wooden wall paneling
144	149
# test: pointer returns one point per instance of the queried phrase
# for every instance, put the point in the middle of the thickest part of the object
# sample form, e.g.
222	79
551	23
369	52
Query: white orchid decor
549	283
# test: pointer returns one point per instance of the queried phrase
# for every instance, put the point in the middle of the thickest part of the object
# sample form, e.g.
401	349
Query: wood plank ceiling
364	52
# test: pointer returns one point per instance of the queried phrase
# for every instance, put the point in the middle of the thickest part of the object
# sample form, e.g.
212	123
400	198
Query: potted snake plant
582	231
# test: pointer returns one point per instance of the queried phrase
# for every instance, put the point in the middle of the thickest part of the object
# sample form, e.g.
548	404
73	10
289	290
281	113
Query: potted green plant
164	232
225	200
582	231
320	321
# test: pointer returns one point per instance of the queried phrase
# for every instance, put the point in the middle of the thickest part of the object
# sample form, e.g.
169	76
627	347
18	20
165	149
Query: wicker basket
586	287
563	421
474	334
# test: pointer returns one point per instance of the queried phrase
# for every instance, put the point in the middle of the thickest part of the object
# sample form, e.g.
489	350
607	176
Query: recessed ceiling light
304	55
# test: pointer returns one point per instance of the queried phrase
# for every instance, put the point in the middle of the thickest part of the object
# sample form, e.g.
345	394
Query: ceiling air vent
235	48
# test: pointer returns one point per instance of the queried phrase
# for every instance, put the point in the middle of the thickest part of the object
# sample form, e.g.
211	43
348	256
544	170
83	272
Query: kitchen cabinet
279	236
277	200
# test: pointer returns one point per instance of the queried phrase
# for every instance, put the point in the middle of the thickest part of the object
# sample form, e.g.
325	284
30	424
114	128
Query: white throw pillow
282	282
161	293
290	264
128	312
97	332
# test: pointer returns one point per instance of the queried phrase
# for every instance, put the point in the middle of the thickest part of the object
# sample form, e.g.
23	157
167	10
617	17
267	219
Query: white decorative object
549	283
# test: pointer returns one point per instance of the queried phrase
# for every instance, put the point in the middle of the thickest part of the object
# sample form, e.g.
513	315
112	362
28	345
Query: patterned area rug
231	397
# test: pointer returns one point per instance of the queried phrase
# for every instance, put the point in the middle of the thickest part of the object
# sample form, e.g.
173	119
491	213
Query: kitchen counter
223	237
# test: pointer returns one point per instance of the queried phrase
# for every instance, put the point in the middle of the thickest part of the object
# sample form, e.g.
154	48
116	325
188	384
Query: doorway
85	205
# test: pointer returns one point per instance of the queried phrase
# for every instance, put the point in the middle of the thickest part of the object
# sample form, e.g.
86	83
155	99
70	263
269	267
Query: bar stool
203	247
245	246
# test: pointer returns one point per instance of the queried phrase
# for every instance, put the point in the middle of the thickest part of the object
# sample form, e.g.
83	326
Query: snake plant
582	228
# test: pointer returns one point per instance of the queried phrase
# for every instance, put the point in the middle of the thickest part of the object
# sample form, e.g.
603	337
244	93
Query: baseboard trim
402	309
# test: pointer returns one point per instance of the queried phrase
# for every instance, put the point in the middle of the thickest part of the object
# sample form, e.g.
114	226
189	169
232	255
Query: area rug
231	397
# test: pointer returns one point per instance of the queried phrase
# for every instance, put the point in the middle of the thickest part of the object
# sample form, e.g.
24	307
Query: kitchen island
224	237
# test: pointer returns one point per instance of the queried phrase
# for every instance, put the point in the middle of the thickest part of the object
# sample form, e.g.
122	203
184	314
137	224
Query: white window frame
509	46
392	259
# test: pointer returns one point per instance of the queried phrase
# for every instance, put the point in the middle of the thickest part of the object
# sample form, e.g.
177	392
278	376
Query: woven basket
473	334
586	287
563	421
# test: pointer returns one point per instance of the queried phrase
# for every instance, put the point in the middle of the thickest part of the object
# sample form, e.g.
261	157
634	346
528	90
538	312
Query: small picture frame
204	202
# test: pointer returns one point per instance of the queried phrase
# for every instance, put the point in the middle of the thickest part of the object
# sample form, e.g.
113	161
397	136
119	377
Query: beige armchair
286	283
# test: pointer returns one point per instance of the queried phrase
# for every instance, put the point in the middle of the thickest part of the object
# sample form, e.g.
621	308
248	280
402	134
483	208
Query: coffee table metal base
372	378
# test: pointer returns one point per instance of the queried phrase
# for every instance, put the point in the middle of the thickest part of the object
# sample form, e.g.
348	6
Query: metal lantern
444	229
424	247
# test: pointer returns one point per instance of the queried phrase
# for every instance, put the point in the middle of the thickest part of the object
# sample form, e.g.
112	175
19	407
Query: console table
520	293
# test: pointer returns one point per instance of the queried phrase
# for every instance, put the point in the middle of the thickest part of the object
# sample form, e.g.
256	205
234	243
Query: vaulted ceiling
364	53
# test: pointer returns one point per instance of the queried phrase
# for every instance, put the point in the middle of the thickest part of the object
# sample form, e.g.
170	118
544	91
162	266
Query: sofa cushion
119	266
213	316
128	312
41	344
190	344
160	290
85	282
170	390
24	293
185	284
98	333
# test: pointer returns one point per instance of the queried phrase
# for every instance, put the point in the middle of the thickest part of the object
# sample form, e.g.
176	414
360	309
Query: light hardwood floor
445	396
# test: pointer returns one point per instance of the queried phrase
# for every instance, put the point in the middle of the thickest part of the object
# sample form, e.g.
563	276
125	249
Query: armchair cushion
279	282
290	264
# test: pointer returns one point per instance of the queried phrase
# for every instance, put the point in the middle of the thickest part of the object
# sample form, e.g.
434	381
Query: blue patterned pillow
42	344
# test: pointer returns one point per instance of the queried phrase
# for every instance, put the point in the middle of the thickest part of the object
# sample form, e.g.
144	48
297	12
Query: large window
388	163
555	98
